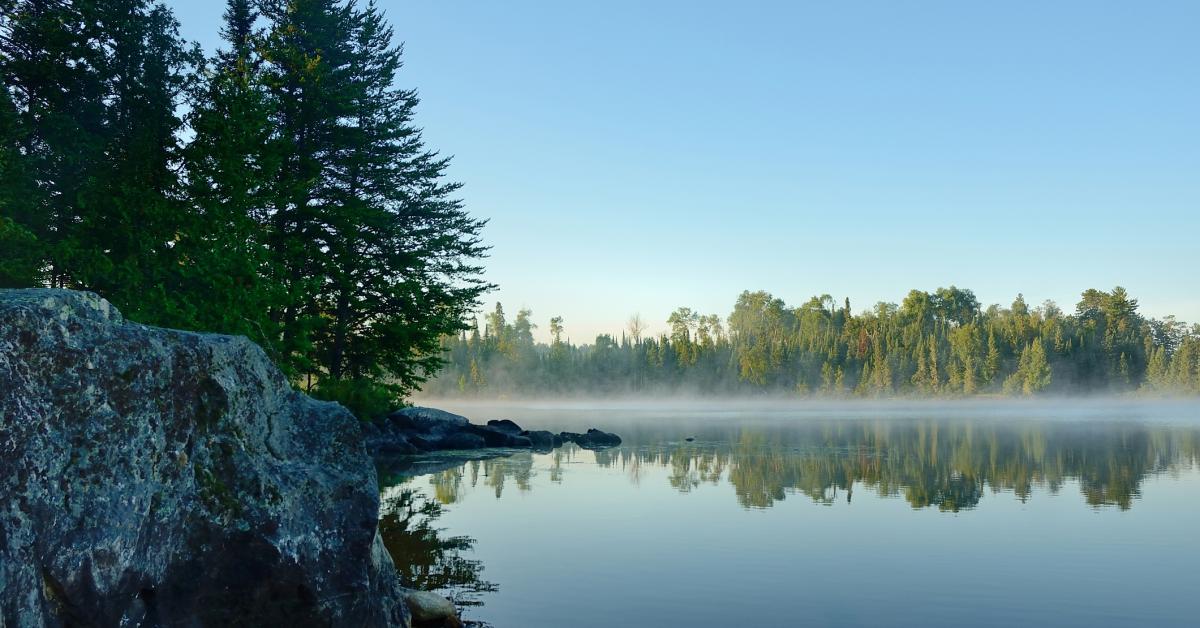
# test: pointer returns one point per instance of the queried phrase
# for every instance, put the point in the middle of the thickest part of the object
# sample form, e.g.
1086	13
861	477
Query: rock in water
593	439
156	477
505	425
543	440
430	608
412	430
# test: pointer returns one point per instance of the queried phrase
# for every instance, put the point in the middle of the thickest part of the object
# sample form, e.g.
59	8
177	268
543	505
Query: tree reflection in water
947	464
931	463
426	558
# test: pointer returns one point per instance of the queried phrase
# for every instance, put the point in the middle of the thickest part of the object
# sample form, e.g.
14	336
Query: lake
776	514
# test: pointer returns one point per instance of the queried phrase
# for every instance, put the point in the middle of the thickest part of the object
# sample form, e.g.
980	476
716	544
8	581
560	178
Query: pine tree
229	165
968	376
96	88
21	254
991	365
1037	373
934	382
1156	370
306	59
377	256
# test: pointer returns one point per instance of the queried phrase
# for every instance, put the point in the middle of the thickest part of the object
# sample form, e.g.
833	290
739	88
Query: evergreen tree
1036	369
311	216
229	167
21	255
95	87
376	255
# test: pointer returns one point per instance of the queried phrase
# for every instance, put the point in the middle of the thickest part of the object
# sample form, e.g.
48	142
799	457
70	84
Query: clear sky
637	156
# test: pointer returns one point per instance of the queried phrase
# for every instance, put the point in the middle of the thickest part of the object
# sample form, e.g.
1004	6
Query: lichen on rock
151	477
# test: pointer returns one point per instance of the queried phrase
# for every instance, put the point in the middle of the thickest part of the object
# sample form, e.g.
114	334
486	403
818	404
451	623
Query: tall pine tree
95	87
377	254
230	166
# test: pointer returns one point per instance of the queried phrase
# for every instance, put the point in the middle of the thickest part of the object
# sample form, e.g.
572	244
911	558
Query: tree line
940	343
278	189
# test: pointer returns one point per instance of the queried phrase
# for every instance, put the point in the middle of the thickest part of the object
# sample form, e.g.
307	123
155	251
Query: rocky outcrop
504	425
156	477
420	430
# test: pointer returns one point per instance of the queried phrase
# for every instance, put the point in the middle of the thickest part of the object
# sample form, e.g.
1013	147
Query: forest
940	343
278	189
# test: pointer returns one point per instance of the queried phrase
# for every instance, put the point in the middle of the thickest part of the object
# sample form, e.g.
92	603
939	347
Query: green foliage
303	211
91	91
21	261
1033	372
938	343
364	398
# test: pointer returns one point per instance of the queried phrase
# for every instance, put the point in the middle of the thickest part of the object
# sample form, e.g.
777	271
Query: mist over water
1064	512
615	411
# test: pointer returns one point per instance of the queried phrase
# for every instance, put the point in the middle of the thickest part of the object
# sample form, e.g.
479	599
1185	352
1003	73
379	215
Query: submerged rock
156	477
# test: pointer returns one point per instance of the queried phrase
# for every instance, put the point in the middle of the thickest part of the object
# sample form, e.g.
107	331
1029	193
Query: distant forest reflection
931	463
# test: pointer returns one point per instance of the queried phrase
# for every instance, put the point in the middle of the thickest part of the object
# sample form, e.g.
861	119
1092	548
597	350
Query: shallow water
784	515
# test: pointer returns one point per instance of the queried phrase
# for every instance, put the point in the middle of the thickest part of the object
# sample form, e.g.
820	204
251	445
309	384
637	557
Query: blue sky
640	156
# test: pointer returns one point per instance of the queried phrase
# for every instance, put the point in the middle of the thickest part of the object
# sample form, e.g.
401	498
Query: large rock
429	608
504	425
427	419
417	429
592	439
155	477
543	440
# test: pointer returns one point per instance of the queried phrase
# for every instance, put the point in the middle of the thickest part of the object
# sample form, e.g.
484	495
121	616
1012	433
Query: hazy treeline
939	343
278	189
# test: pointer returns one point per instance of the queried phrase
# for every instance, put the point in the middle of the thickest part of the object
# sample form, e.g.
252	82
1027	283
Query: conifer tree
377	257
95	87
229	165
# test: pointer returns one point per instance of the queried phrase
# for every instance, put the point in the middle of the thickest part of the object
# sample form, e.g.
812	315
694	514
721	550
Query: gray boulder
419	430
156	477
427	419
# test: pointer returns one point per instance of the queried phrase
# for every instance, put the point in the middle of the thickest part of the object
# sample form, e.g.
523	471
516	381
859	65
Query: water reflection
946	464
845	547
427	558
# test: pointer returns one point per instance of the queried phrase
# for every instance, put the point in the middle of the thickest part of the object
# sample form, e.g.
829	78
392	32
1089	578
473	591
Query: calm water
952	515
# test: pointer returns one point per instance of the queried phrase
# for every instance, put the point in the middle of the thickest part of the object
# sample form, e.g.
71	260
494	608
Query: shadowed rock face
152	477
